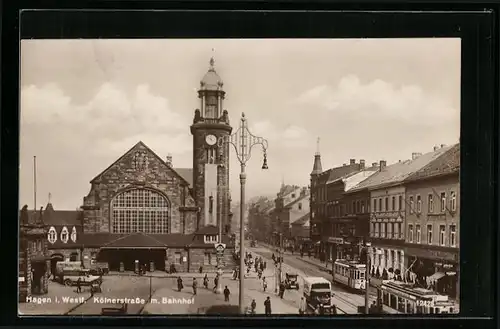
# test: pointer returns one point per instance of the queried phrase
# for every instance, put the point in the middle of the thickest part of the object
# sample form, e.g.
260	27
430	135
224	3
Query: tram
350	274
400	297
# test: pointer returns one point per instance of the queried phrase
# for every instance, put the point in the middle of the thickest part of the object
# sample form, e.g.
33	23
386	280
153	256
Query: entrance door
38	270
53	263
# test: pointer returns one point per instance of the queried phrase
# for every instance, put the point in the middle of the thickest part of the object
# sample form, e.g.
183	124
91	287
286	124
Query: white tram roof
409	289
350	263
315	279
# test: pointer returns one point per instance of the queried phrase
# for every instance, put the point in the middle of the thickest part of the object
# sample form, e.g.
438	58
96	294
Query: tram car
402	298
350	274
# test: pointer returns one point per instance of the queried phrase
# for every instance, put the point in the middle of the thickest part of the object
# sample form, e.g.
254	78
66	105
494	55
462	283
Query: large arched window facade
140	210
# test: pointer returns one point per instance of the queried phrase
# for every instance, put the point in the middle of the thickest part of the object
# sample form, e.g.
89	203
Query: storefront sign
336	240
433	254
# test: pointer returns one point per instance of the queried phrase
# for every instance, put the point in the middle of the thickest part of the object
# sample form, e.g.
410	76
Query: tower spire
212	61
317	168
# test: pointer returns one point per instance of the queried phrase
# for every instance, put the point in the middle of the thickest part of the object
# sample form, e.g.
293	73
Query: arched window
64	235
73	234
52	235
140	210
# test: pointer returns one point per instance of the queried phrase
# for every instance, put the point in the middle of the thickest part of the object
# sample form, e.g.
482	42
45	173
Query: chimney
362	164
415	155
436	148
443	145
374	164
169	160
399	161
383	163
343	165
352	161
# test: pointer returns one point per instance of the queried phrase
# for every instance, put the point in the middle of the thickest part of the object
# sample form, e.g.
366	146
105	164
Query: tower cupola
211	94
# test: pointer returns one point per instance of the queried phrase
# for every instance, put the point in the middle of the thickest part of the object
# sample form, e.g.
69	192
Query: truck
318	293
99	268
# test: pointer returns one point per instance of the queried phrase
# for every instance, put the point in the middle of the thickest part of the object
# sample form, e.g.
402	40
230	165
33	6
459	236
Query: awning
436	276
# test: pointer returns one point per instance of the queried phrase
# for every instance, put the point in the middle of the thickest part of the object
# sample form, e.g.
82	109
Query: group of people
227	292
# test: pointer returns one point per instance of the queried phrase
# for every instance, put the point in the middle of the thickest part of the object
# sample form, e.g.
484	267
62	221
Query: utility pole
367	277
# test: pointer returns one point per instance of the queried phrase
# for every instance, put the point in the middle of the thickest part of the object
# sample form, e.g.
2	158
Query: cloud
290	137
378	98
112	118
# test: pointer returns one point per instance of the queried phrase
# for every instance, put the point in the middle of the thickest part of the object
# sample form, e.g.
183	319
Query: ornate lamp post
243	141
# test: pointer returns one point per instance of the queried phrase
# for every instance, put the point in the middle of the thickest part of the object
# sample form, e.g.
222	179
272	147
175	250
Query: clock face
211	140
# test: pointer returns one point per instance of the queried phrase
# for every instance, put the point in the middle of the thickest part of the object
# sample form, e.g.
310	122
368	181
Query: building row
408	211
283	220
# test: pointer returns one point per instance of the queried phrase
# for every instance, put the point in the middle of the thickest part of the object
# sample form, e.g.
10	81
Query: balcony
389	236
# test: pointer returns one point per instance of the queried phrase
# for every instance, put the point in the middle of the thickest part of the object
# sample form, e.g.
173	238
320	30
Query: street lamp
367	276
243	141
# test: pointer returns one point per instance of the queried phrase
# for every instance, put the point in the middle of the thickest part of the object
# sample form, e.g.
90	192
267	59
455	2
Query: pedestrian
253	306
205	281
262	266
302	306
265	265
200	269
226	294
264	284
179	283
195	285
79	285
373	308
267	306
216	283
282	290
259	273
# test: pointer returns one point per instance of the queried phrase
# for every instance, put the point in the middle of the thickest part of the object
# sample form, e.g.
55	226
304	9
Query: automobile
318	293
291	281
70	277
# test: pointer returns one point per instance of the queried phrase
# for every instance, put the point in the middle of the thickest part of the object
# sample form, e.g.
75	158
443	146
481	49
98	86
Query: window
410	233
400	203
353	210
211	238
442	230
178	258
73	234
211	107
73	257
386	204
211	155
400	230
411	205
140	210
64	235
453	201
419	204
453	236
52	235
374	205
430	203
390	229
393	203
207	259
373	230
357	207
380	205
384	229
443	201
362	207
39	245
417	230
300	206
429	234
377	231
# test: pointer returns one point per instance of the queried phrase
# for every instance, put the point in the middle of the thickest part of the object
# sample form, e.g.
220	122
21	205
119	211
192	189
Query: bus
350	274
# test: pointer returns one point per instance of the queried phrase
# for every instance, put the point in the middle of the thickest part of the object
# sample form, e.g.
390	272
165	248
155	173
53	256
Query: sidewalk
327	267
59	300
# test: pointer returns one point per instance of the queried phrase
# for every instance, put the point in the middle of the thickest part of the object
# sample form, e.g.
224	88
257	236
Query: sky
84	103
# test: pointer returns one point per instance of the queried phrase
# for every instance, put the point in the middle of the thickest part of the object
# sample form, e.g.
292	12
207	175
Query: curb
77	306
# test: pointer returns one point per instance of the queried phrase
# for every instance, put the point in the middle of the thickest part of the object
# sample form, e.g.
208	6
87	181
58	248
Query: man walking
267	306
226	294
79	285
195	285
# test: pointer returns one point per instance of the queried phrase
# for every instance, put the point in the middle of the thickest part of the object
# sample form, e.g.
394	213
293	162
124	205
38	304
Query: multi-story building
300	232
348	214
320	229
33	255
433	224
279	214
259	220
387	211
142	210
289	207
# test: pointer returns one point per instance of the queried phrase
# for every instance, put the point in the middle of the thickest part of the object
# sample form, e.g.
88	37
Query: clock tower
211	158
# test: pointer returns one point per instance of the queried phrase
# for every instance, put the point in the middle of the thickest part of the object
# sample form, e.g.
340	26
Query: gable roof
398	172
448	163
302	220
62	217
140	143
300	198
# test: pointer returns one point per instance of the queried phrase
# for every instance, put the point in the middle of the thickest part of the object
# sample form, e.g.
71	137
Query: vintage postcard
251	176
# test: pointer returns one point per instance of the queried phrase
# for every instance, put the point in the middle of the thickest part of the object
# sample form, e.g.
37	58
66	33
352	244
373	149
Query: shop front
434	269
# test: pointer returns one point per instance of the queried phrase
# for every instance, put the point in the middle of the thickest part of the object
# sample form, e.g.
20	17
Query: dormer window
211	238
52	235
64	235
